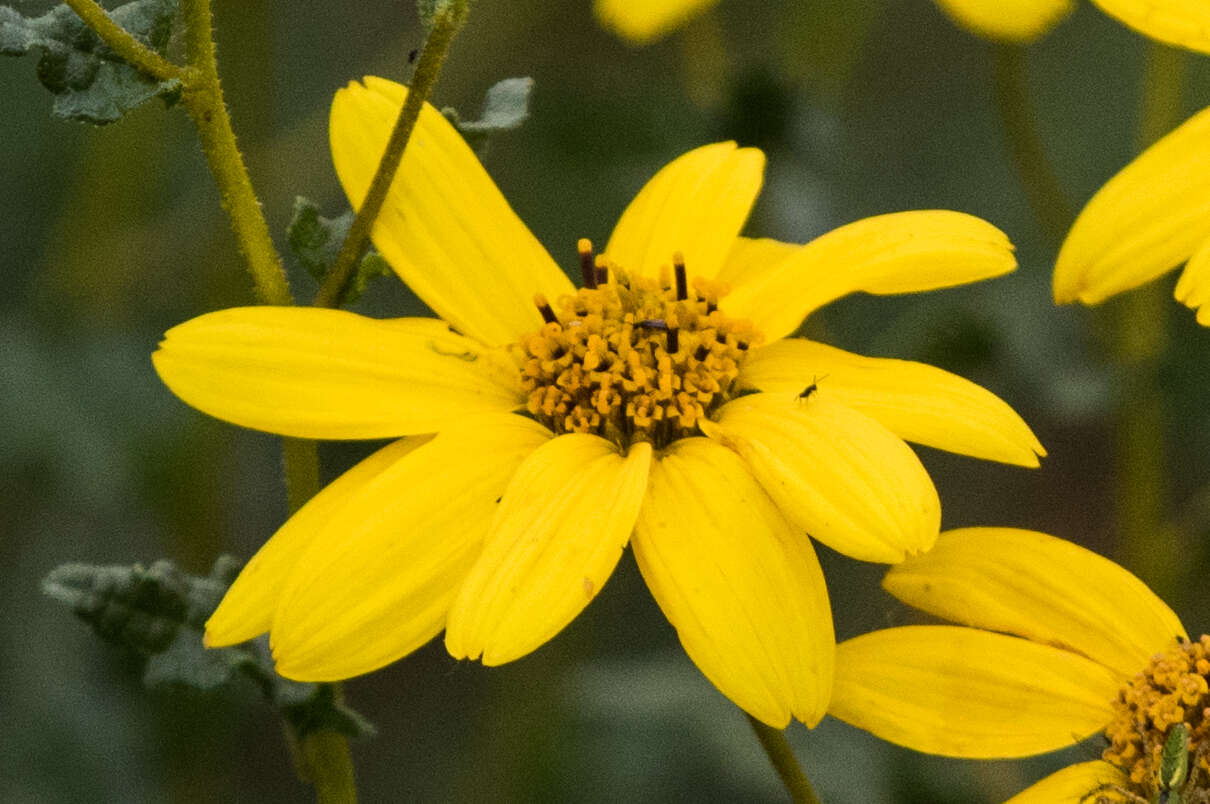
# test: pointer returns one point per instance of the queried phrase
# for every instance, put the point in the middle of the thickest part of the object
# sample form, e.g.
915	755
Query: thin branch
777	747
123	43
446	23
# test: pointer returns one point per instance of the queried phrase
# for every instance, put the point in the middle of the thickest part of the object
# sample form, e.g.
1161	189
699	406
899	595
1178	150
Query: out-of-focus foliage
90	83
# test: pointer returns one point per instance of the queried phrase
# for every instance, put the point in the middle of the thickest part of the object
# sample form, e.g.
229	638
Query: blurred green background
109	236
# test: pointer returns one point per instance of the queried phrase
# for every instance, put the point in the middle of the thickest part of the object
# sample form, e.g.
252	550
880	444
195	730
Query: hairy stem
203	99
121	42
446	23
777	747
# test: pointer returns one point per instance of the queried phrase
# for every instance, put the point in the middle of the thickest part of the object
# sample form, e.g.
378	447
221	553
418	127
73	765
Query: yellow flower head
1008	20
1147	220
544	428
1057	644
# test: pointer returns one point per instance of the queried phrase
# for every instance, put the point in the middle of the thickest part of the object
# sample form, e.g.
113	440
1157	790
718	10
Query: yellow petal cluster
546	429
1055	644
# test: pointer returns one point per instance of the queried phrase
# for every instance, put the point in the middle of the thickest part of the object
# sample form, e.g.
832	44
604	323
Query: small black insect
412	56
812	388
654	323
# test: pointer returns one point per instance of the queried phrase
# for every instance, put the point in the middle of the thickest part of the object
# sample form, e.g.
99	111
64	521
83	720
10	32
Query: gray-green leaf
505	108
316	240
90	82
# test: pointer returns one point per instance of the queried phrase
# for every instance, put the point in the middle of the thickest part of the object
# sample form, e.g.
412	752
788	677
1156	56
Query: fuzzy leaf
90	82
505	108
315	241
161	612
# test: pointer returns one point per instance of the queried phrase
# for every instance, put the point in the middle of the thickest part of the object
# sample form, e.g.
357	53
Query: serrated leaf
505	108
161	612
90	82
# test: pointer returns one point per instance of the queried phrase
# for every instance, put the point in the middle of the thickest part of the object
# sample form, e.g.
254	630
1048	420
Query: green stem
326	763
122	43
203	99
1139	338
447	20
778	749
1042	187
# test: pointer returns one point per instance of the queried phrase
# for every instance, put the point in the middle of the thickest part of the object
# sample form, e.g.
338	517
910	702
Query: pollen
1175	688
633	358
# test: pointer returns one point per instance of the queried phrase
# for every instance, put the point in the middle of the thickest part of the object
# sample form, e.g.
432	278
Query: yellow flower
1008	20
1147	220
1061	644
644	22
650	407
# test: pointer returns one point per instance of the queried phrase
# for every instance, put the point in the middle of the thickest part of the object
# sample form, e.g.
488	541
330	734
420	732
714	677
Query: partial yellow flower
1184	23
1008	20
1147	220
644	22
1056	644
544	428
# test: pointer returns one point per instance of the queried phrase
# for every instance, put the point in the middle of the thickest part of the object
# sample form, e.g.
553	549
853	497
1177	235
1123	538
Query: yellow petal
838	475
752	259
1178	22
915	401
1008	20
904	252
380	574
740	585
642	23
962	692
1193	288
556	537
695	205
314	373
1047	589
1145	221
445	227
246	611
1072	785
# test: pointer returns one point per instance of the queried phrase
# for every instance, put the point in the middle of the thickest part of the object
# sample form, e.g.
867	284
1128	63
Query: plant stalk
447	21
777	747
120	41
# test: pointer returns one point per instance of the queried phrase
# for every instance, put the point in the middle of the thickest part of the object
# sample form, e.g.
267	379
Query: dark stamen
710	307
548	315
653	323
682	282
587	264
741	345
673	340
702	352
602	270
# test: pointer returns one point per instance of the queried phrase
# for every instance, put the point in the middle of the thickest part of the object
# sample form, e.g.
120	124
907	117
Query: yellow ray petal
1193	288
752	259
962	692
246	611
695	205
903	252
838	475
314	373
556	537
1072	785
740	585
643	23
1015	21
379	577
1178	22
915	401
1047	589
1146	220
445	227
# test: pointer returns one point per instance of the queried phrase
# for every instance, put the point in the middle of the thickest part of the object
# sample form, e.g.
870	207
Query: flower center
1173	690
631	358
